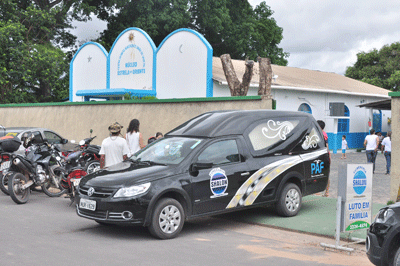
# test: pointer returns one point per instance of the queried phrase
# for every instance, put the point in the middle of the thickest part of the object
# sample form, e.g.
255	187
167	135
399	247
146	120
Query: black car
383	238
215	163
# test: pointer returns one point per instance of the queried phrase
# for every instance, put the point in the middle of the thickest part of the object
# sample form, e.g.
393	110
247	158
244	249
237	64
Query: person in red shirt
322	126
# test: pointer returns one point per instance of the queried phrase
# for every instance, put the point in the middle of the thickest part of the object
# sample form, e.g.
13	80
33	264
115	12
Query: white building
183	66
296	89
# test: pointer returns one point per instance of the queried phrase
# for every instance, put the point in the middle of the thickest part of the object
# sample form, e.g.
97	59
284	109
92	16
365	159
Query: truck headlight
384	215
126	192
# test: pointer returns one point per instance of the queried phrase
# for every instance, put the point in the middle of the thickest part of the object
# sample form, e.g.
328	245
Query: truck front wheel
167	219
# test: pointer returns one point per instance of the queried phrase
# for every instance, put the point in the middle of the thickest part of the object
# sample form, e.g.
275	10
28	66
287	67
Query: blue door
377	120
344	124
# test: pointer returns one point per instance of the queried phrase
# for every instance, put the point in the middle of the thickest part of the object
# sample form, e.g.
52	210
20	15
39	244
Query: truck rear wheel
289	201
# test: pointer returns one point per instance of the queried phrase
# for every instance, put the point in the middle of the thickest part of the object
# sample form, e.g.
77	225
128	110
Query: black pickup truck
217	162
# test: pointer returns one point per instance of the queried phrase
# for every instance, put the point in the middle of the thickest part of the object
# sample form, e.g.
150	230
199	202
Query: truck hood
126	174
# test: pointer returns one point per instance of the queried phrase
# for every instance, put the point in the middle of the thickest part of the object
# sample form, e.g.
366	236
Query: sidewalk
317	216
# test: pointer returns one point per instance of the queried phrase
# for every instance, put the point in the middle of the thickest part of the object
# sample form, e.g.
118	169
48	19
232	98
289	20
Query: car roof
231	122
19	130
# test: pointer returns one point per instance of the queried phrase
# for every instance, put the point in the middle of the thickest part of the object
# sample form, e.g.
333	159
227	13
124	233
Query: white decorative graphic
274	129
310	142
254	186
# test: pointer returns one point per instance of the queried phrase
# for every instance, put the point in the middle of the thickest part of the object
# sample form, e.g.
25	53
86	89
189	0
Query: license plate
75	181
87	204
5	165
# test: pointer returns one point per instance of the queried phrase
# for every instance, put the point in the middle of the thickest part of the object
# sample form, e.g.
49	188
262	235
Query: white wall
182	64
131	55
290	100
88	70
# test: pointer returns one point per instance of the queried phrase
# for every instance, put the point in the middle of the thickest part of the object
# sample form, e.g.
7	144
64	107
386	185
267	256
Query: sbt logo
316	167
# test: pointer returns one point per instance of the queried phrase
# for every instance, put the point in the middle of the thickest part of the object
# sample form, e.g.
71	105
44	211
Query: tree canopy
31	67
231	27
36	45
378	67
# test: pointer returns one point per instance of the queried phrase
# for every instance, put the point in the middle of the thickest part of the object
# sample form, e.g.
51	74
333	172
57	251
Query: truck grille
98	192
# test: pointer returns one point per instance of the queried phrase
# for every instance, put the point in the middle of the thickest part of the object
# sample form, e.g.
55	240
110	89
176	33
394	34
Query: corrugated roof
301	78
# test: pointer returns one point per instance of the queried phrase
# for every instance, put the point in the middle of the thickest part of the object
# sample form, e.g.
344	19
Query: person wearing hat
114	149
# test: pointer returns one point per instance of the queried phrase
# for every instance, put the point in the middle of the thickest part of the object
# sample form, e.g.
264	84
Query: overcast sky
322	35
327	35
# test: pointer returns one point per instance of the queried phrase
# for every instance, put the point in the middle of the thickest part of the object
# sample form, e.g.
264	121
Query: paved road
46	231
380	184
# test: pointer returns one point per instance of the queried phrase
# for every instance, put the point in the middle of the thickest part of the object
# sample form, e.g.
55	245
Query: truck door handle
245	173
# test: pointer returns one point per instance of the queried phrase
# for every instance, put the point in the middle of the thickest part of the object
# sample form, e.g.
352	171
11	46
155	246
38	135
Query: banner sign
358	201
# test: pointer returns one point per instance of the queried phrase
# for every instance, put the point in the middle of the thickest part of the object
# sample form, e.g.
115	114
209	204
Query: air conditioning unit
336	109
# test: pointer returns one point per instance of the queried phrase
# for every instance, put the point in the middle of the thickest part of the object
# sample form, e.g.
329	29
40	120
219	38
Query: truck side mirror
201	165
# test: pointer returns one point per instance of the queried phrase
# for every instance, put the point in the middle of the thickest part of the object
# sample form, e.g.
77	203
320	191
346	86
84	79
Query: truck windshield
167	150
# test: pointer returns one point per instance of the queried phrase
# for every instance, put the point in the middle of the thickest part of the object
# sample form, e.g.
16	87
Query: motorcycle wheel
51	188
92	166
18	195
4	183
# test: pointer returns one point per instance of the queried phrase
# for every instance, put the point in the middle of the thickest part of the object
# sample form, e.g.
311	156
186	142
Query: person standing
322	126
159	135
380	137
371	143
133	137
344	147
387	150
114	149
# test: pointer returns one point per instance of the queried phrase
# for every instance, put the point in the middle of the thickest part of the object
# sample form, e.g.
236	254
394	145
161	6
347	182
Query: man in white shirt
387	149
114	149
371	143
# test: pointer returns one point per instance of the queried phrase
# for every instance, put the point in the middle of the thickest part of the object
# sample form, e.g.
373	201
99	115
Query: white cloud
320	35
327	35
90	30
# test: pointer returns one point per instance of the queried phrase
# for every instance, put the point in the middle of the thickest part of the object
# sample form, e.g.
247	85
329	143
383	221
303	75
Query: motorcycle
41	166
87	154
74	172
90	155
8	145
4	166
84	160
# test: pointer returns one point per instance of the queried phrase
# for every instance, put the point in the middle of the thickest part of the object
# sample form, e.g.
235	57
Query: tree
236	87
265	76
231	27
378	67
34	68
31	68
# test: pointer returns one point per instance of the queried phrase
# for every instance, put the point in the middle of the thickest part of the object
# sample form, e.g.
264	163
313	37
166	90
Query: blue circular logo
218	182
359	182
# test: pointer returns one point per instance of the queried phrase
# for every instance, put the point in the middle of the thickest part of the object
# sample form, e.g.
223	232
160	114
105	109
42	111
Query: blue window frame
305	108
344	124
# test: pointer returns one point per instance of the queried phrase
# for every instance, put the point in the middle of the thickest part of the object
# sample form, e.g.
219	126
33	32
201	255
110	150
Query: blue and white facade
182	67
354	124
135	66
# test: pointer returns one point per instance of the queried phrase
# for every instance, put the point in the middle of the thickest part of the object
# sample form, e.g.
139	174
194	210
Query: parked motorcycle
90	154
8	144
85	160
74	172
87	155
4	166
41	166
